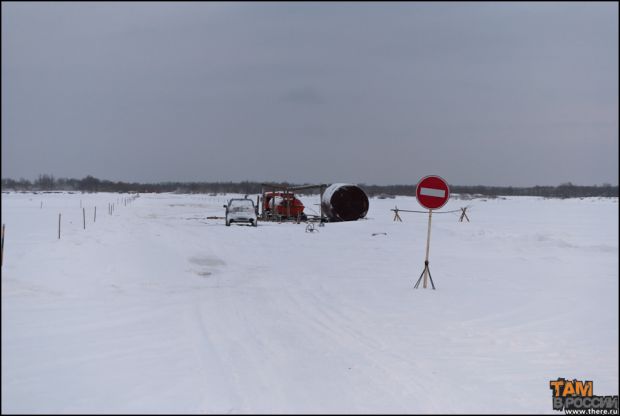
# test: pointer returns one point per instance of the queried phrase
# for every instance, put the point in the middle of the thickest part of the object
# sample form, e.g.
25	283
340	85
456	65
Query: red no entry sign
432	192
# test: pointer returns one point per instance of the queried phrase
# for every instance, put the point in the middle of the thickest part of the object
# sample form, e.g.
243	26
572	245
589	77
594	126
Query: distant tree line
92	184
565	190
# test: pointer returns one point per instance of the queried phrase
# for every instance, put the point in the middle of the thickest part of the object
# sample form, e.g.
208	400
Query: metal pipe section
344	202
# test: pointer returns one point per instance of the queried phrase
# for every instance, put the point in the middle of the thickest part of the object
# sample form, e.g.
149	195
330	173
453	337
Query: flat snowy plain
157	309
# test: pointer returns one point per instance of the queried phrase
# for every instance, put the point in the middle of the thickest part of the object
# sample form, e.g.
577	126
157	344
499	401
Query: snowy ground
157	309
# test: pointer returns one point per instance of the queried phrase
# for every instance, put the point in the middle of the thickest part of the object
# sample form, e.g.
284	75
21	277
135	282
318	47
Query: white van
240	210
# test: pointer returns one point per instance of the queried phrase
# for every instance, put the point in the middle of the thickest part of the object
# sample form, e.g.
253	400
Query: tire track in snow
216	379
375	356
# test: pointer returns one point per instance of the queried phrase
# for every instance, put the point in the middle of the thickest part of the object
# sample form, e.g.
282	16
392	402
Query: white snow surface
157	309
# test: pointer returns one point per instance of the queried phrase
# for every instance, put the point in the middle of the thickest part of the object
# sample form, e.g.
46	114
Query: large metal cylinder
344	202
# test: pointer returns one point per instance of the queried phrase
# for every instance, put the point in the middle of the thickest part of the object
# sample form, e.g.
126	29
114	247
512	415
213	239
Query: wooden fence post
84	217
463	215
396	216
95	217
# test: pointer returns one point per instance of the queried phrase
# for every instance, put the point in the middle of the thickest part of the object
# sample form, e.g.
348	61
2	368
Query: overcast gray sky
379	93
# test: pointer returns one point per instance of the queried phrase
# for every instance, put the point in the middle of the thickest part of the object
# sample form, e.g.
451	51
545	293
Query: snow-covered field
157	309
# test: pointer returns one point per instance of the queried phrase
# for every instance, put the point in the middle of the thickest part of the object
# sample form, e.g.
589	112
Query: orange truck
283	204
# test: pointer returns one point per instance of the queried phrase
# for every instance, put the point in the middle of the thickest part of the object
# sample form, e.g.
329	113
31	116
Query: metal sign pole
427	271
2	248
428	243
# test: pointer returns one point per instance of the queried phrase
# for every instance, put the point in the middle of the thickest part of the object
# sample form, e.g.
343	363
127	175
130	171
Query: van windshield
242	203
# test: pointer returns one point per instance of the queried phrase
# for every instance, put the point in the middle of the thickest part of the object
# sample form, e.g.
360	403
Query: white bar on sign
439	193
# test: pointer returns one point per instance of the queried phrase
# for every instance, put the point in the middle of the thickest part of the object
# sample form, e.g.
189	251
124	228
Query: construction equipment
283	205
338	202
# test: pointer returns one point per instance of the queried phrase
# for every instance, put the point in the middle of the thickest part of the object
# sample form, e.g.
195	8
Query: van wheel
228	223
